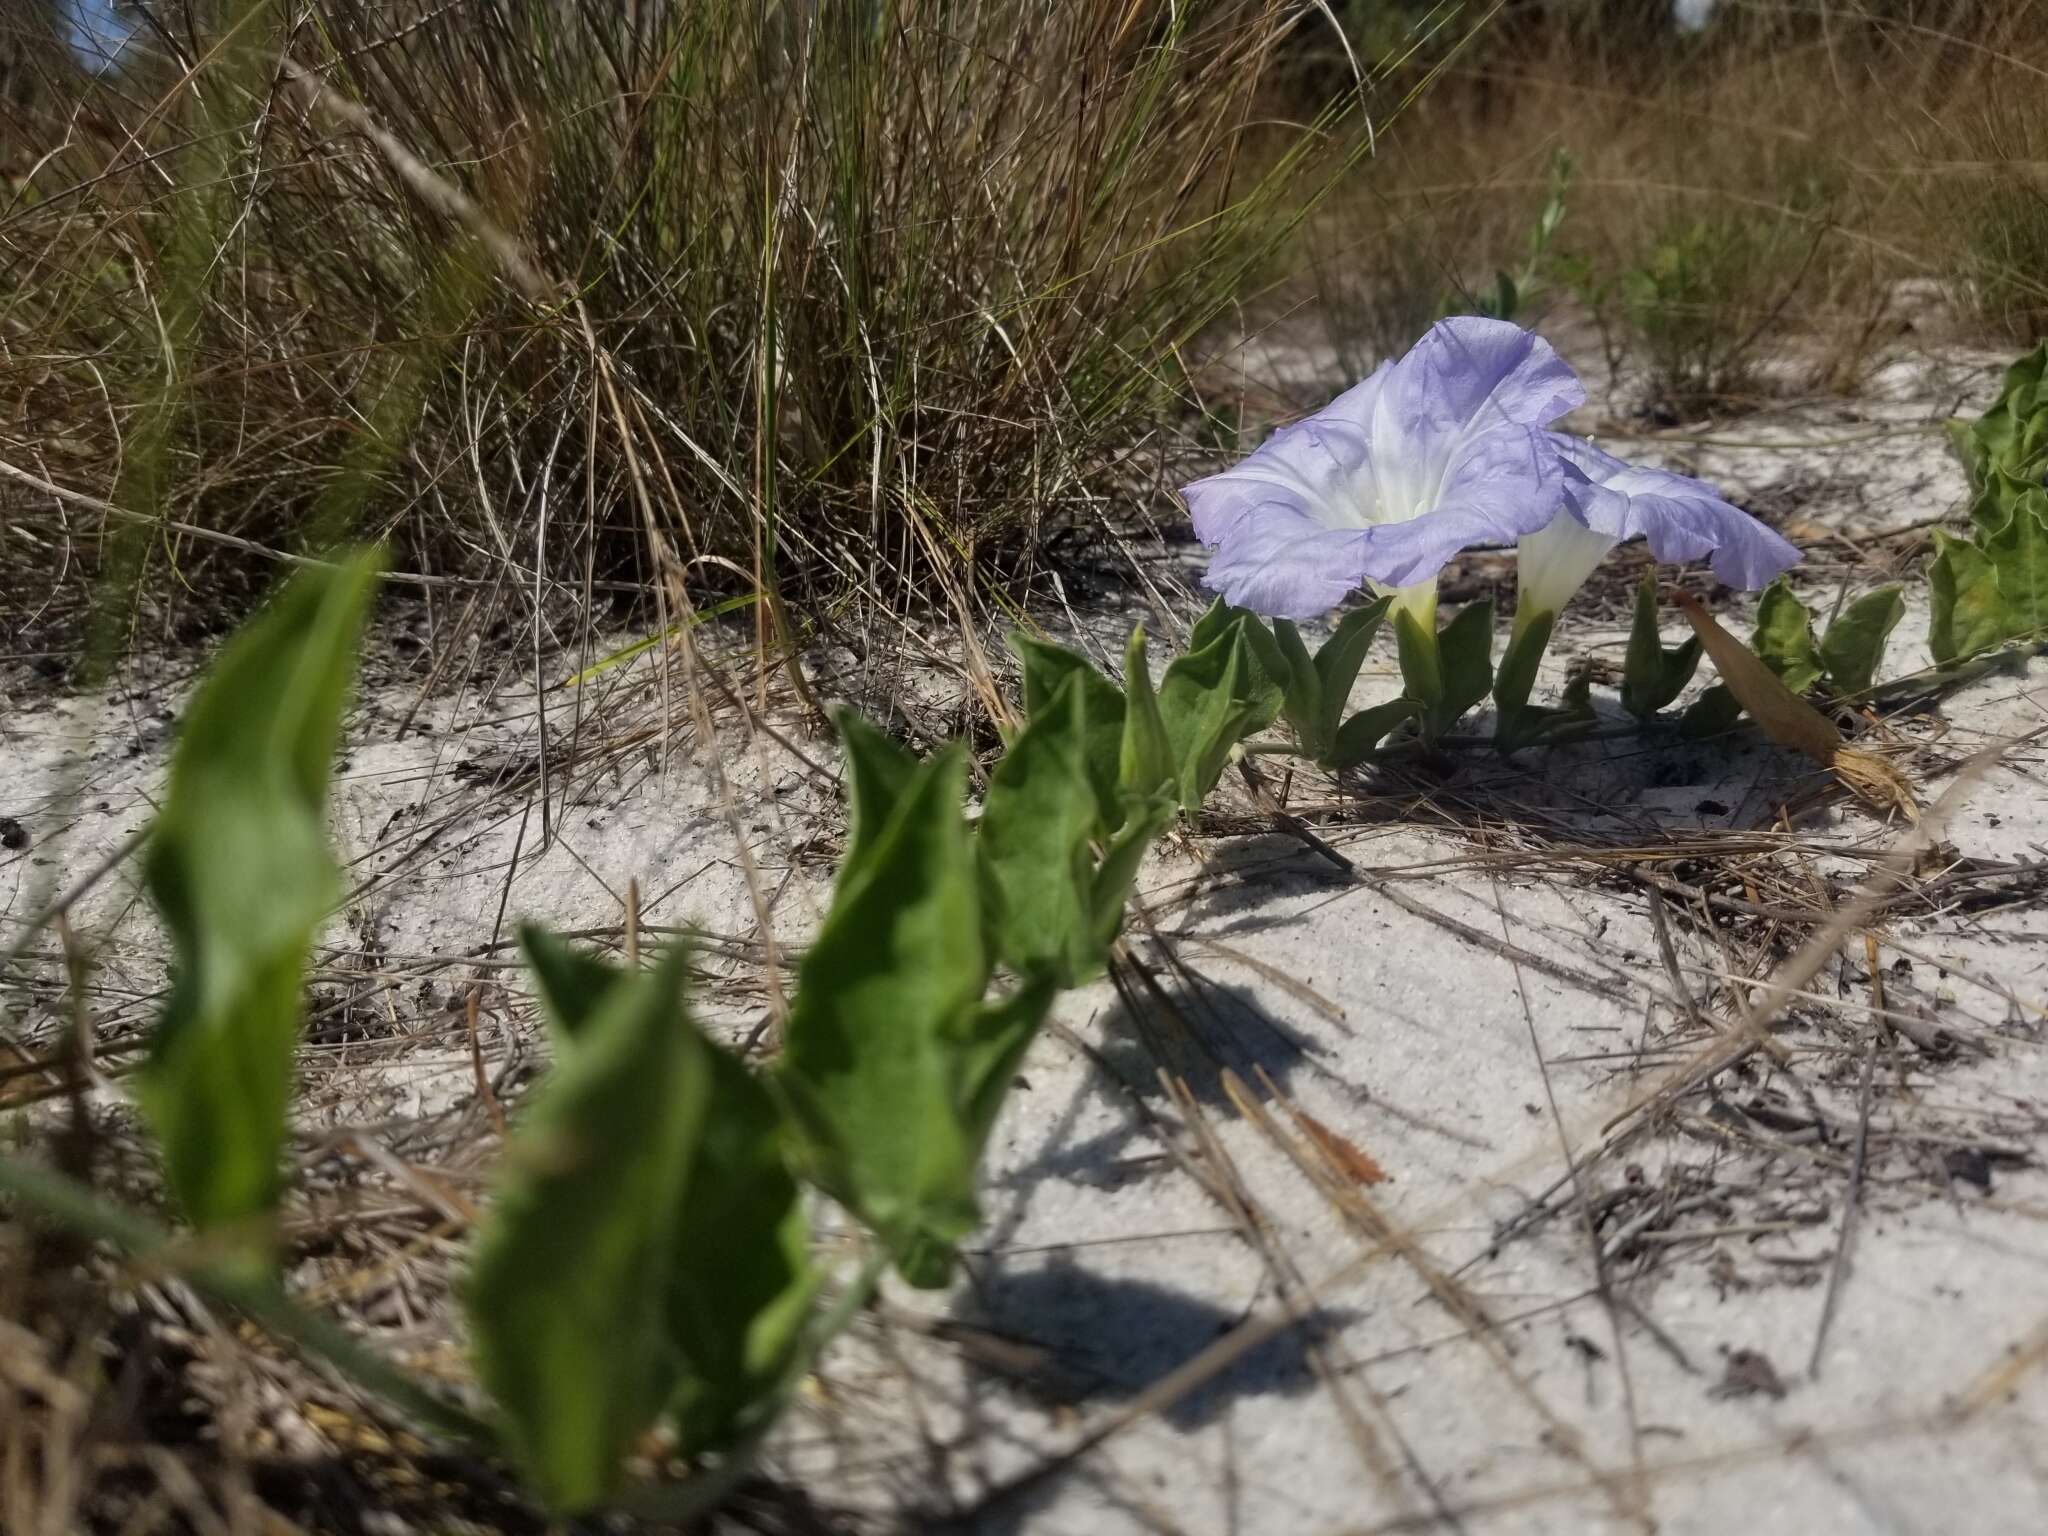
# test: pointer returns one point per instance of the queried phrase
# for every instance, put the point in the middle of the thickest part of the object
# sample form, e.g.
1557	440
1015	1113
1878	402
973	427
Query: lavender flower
1606	501
1432	454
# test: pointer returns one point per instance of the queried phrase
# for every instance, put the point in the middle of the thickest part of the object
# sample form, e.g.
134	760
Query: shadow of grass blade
239	867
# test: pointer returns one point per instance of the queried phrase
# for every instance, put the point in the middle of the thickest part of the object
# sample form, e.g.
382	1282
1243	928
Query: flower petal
1320	463
1682	518
1276	559
1499	485
1473	374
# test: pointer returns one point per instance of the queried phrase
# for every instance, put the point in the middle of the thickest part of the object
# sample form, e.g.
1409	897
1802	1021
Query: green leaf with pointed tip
984	1049
868	1067
1210	700
1515	678
239	867
1422	664
1854	642
1338	662
1046	667
571	981
878	771
1367	729
568	1292
1216	620
1653	674
1713	713
1118	871
1037	868
1784	637
1303	694
737	1319
1968	615
735	1324
1466	644
1145	766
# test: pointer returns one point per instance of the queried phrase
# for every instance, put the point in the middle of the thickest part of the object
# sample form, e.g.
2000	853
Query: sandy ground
1430	1147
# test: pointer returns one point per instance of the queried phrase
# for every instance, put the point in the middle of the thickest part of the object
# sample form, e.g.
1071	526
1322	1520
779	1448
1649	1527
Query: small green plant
646	1255
1992	587
1509	298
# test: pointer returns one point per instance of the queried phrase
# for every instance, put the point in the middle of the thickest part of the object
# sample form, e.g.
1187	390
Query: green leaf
1854	642
1303	700
1118	872
984	1049
2012	435
1515	678
1037	822
740	1278
1466	645
1046	667
1367	729
1217	620
1968	615
238	865
878	770
2018	552
1338	663
1145	766
891	982
571	982
1784	637
734	1323
1210	700
1653	674
1422	665
569	1290
1713	713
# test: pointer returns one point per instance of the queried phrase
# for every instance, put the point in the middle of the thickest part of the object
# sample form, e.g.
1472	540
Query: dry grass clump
1789	173
836	291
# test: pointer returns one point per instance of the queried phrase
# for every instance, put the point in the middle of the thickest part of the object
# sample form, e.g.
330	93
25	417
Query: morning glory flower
1606	501
1432	454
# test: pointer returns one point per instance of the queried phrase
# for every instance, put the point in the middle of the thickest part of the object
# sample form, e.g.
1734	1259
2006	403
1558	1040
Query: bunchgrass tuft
744	296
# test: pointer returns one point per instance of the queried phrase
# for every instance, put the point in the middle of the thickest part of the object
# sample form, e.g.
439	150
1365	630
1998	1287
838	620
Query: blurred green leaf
740	1278
1968	615
1037	822
1854	642
1653	674
735	1322
878	771
1367	729
238	865
1784	637
570	981
1046	667
891	985
1713	713
569	1290
1146	763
